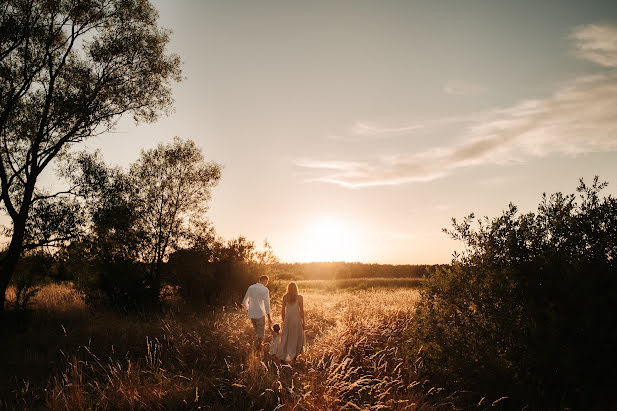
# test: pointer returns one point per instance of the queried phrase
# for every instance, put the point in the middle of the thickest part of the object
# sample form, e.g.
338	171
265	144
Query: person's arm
267	306
245	301
283	307
301	308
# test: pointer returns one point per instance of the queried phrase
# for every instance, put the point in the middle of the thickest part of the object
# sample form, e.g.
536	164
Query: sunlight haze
355	130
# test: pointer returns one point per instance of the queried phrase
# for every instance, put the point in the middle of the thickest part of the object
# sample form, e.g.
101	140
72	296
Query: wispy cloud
579	117
368	130
463	88
597	43
365	129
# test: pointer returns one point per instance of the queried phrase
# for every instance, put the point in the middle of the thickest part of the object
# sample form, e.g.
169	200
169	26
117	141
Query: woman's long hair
292	292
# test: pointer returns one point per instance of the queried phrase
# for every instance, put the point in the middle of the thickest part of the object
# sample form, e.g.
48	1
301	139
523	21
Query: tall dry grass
358	284
52	297
358	363
354	358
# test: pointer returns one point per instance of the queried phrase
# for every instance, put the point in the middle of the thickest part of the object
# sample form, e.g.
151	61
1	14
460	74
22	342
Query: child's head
276	328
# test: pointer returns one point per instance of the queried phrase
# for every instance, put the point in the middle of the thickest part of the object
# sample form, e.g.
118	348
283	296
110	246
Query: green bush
528	310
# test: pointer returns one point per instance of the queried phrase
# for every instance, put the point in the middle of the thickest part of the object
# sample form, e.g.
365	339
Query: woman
292	336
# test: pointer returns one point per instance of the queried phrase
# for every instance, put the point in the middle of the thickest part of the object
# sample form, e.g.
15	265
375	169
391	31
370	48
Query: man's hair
264	278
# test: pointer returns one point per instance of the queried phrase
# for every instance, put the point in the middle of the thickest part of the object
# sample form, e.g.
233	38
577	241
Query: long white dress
292	336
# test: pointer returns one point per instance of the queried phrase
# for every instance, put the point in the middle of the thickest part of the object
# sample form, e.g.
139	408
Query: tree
528	310
173	186
69	69
135	218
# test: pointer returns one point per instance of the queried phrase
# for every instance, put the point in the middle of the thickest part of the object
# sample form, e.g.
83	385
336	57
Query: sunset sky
354	130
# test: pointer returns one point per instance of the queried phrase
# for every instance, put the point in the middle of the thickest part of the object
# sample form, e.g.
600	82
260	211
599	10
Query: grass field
358	284
65	356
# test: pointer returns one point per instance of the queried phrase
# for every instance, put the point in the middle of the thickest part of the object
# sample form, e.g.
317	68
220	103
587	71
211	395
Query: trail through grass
354	358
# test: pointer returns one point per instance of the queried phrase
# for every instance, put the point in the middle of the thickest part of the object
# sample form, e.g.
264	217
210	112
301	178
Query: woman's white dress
292	335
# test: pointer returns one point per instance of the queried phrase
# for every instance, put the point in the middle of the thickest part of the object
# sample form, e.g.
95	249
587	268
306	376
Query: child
276	339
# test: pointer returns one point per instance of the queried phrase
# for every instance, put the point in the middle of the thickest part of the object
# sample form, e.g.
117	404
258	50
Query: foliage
53	222
68	70
104	275
218	272
104	261
137	217
528	310
172	185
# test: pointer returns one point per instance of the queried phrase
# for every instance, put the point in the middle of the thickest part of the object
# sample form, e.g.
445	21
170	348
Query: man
257	302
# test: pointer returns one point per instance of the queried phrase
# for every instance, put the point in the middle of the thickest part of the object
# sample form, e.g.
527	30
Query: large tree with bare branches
69	69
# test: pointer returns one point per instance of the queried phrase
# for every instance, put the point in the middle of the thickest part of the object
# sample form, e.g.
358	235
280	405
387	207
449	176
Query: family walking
288	339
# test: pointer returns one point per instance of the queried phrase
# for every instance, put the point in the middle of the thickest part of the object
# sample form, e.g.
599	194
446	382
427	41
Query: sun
329	239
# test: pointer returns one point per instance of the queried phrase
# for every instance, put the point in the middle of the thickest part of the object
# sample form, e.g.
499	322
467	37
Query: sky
355	130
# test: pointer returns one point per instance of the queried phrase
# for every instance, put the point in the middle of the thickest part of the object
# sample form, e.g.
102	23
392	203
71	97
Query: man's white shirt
257	300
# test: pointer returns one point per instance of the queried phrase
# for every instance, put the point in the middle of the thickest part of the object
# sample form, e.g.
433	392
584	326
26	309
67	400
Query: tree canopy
69	69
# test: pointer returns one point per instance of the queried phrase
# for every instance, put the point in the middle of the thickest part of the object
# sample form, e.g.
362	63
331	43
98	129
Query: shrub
216	272
191	272
201	282
105	275
528	310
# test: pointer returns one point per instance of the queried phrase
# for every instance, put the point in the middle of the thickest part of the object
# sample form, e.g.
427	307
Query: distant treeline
342	270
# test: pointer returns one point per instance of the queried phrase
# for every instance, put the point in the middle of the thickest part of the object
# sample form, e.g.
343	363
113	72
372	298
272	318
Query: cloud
370	173
364	129
579	117
368	130
463	88
596	43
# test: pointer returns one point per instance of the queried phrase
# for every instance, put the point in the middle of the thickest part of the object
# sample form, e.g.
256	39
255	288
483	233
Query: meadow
358	284
66	355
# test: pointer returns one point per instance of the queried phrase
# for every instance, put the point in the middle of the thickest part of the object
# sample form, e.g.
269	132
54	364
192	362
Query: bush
106	277
528	310
217	273
203	283
191	272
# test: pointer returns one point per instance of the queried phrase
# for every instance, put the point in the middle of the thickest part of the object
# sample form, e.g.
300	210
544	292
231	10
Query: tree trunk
10	259
156	283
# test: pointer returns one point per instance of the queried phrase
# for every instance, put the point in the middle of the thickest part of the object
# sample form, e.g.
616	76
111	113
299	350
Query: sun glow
328	239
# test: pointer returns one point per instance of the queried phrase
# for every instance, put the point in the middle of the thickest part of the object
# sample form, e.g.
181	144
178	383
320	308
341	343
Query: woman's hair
292	292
